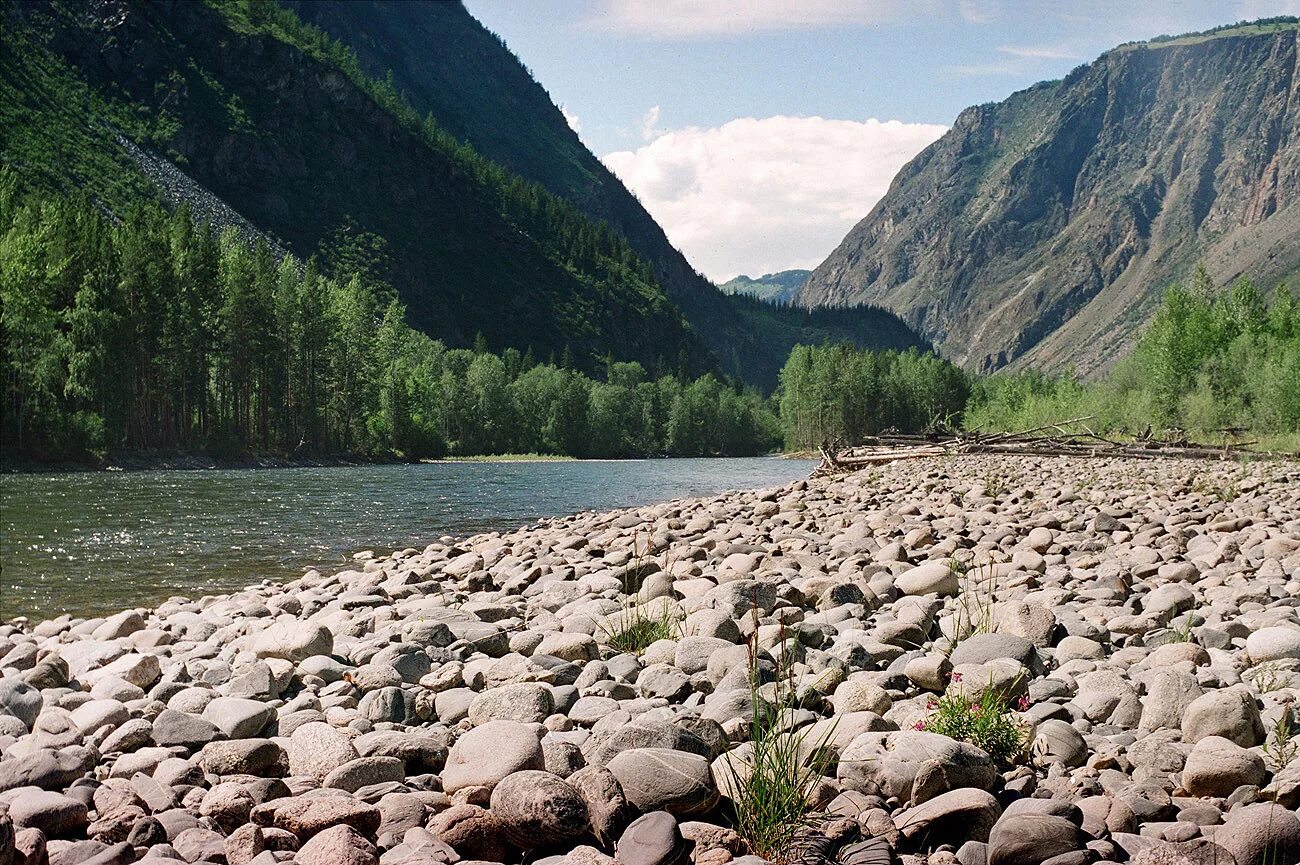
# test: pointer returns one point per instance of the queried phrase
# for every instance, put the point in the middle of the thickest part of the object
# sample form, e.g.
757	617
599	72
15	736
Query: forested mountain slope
1042	230
245	103
447	64
781	287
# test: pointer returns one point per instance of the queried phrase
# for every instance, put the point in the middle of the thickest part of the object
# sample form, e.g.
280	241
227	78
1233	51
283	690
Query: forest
840	393
1212	362
157	334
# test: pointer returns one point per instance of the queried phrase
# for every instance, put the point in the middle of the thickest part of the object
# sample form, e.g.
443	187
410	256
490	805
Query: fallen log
1061	441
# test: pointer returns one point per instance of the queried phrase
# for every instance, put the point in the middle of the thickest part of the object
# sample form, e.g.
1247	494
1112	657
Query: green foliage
983	721
634	629
773	778
1209	360
156	333
1281	747
842	393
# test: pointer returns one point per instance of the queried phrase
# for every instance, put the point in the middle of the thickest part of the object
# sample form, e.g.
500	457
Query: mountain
450	66
247	106
778	287
421	151
1042	230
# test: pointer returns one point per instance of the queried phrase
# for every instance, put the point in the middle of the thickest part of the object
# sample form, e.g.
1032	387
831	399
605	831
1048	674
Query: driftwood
1071	437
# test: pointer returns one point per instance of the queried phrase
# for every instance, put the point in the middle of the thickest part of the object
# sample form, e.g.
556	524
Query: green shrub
984	722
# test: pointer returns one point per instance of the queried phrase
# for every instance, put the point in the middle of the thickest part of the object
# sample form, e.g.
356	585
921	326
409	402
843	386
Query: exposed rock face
1042	223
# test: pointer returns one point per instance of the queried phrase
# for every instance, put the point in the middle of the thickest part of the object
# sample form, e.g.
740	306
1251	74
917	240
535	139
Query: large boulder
338	845
1263	834
652	839
486	755
657	779
21	700
238	718
316	749
1218	766
538	809
913	765
305	817
928	579
524	702
294	641
1230	713
471	831
1273	644
1032	839
607	807
54	814
966	814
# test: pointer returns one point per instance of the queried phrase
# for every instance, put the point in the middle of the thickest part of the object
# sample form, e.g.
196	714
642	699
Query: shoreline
199	462
596	665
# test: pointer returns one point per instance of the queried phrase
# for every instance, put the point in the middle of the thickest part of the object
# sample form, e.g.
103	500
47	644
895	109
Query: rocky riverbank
585	689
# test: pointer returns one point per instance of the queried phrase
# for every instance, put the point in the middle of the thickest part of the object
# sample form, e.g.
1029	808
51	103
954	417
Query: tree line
1211	360
157	333
841	393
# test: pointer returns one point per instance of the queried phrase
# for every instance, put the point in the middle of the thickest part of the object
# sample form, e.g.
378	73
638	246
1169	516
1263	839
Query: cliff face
1042	230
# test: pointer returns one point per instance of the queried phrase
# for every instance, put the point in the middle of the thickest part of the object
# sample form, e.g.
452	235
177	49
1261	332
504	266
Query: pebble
466	701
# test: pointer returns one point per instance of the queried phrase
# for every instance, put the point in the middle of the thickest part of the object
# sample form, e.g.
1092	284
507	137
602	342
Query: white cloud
761	195
1039	52
982	70
978	11
676	19
649	122
571	119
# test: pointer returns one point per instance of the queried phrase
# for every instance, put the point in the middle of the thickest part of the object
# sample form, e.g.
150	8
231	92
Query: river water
90	543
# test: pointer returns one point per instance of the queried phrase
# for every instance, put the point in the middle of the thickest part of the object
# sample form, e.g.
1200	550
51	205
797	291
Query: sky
758	132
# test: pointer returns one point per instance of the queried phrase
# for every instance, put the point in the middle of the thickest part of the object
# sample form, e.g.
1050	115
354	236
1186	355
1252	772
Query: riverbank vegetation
842	393
157	334
1211	363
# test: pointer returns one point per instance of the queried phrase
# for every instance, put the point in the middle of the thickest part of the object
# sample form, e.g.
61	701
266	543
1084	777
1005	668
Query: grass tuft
634	629
773	785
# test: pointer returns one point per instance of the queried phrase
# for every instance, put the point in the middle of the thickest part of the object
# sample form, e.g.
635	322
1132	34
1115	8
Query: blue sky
657	87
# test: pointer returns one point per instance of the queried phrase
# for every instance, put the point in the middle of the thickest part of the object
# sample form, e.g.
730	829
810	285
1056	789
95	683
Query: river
90	543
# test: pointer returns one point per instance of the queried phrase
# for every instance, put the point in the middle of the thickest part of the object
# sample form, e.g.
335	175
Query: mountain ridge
779	287
1042	230
266	123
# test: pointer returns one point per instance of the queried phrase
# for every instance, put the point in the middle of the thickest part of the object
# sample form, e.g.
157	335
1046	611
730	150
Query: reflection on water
94	542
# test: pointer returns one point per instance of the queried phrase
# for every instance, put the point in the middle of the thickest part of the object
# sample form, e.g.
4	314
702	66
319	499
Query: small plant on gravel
1270	677
994	484
1281	747
983	721
975	602
634	629
1182	633
772	786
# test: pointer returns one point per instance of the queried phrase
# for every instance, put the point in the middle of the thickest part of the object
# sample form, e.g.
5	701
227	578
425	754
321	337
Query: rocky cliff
1042	230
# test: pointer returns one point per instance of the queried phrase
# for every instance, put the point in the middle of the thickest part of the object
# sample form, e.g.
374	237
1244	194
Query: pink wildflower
931	705
1023	704
919	725
956	677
